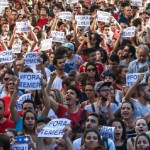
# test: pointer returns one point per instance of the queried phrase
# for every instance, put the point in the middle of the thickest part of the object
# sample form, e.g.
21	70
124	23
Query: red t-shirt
63	112
42	22
7	124
99	66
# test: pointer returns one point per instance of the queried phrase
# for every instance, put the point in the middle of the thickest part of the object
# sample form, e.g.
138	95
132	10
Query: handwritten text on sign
107	132
131	78
21	100
46	44
83	20
32	58
103	16
54	128
65	15
30	81
128	32
16	47
6	56
22	26
58	36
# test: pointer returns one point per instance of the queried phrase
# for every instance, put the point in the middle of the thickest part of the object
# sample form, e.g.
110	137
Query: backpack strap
93	108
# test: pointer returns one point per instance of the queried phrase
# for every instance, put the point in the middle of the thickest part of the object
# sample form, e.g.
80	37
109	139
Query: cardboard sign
103	16
131	78
19	147
58	36
65	15
21	100
16	47
107	132
71	1
22	27
128	32
54	128
32	58
46	44
30	81
82	20
137	2
6	56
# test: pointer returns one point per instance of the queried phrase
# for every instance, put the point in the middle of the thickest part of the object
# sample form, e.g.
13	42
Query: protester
67	59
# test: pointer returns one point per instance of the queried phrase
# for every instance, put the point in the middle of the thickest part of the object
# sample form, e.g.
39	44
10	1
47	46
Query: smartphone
23	139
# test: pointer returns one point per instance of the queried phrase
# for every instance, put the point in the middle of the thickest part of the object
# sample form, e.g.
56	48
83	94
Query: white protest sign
128	32
137	2
65	15
4	3
6	56
103	16
46	44
16	47
131	78
107	132
2	10
58	36
30	81
54	128
21	100
32	58
22	26
71	1
19	147
82	20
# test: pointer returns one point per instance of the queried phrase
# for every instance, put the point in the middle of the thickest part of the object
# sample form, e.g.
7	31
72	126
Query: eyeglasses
6	79
98	3
77	7
89	70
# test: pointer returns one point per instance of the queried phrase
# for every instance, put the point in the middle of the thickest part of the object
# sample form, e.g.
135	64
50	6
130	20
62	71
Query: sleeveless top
123	146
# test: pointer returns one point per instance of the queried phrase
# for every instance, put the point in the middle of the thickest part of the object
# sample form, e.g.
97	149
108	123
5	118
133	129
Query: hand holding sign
140	78
67	132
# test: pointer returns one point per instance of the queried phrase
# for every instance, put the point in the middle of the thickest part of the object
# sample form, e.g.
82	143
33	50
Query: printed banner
103	16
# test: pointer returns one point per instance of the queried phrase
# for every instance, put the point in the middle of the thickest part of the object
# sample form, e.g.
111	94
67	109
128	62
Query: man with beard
102	105
141	104
95	121
74	60
128	54
59	64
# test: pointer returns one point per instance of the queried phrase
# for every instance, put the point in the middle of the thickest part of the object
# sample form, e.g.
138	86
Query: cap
70	46
38	27
100	84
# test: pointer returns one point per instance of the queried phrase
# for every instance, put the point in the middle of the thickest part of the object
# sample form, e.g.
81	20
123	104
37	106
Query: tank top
123	146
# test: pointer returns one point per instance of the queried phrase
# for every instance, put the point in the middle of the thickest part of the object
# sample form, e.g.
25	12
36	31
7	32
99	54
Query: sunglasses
89	70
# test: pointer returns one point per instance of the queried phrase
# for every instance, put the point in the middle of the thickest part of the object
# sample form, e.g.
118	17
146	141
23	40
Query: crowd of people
83	77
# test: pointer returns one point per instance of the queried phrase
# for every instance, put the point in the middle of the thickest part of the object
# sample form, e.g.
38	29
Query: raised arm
13	110
133	88
48	103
